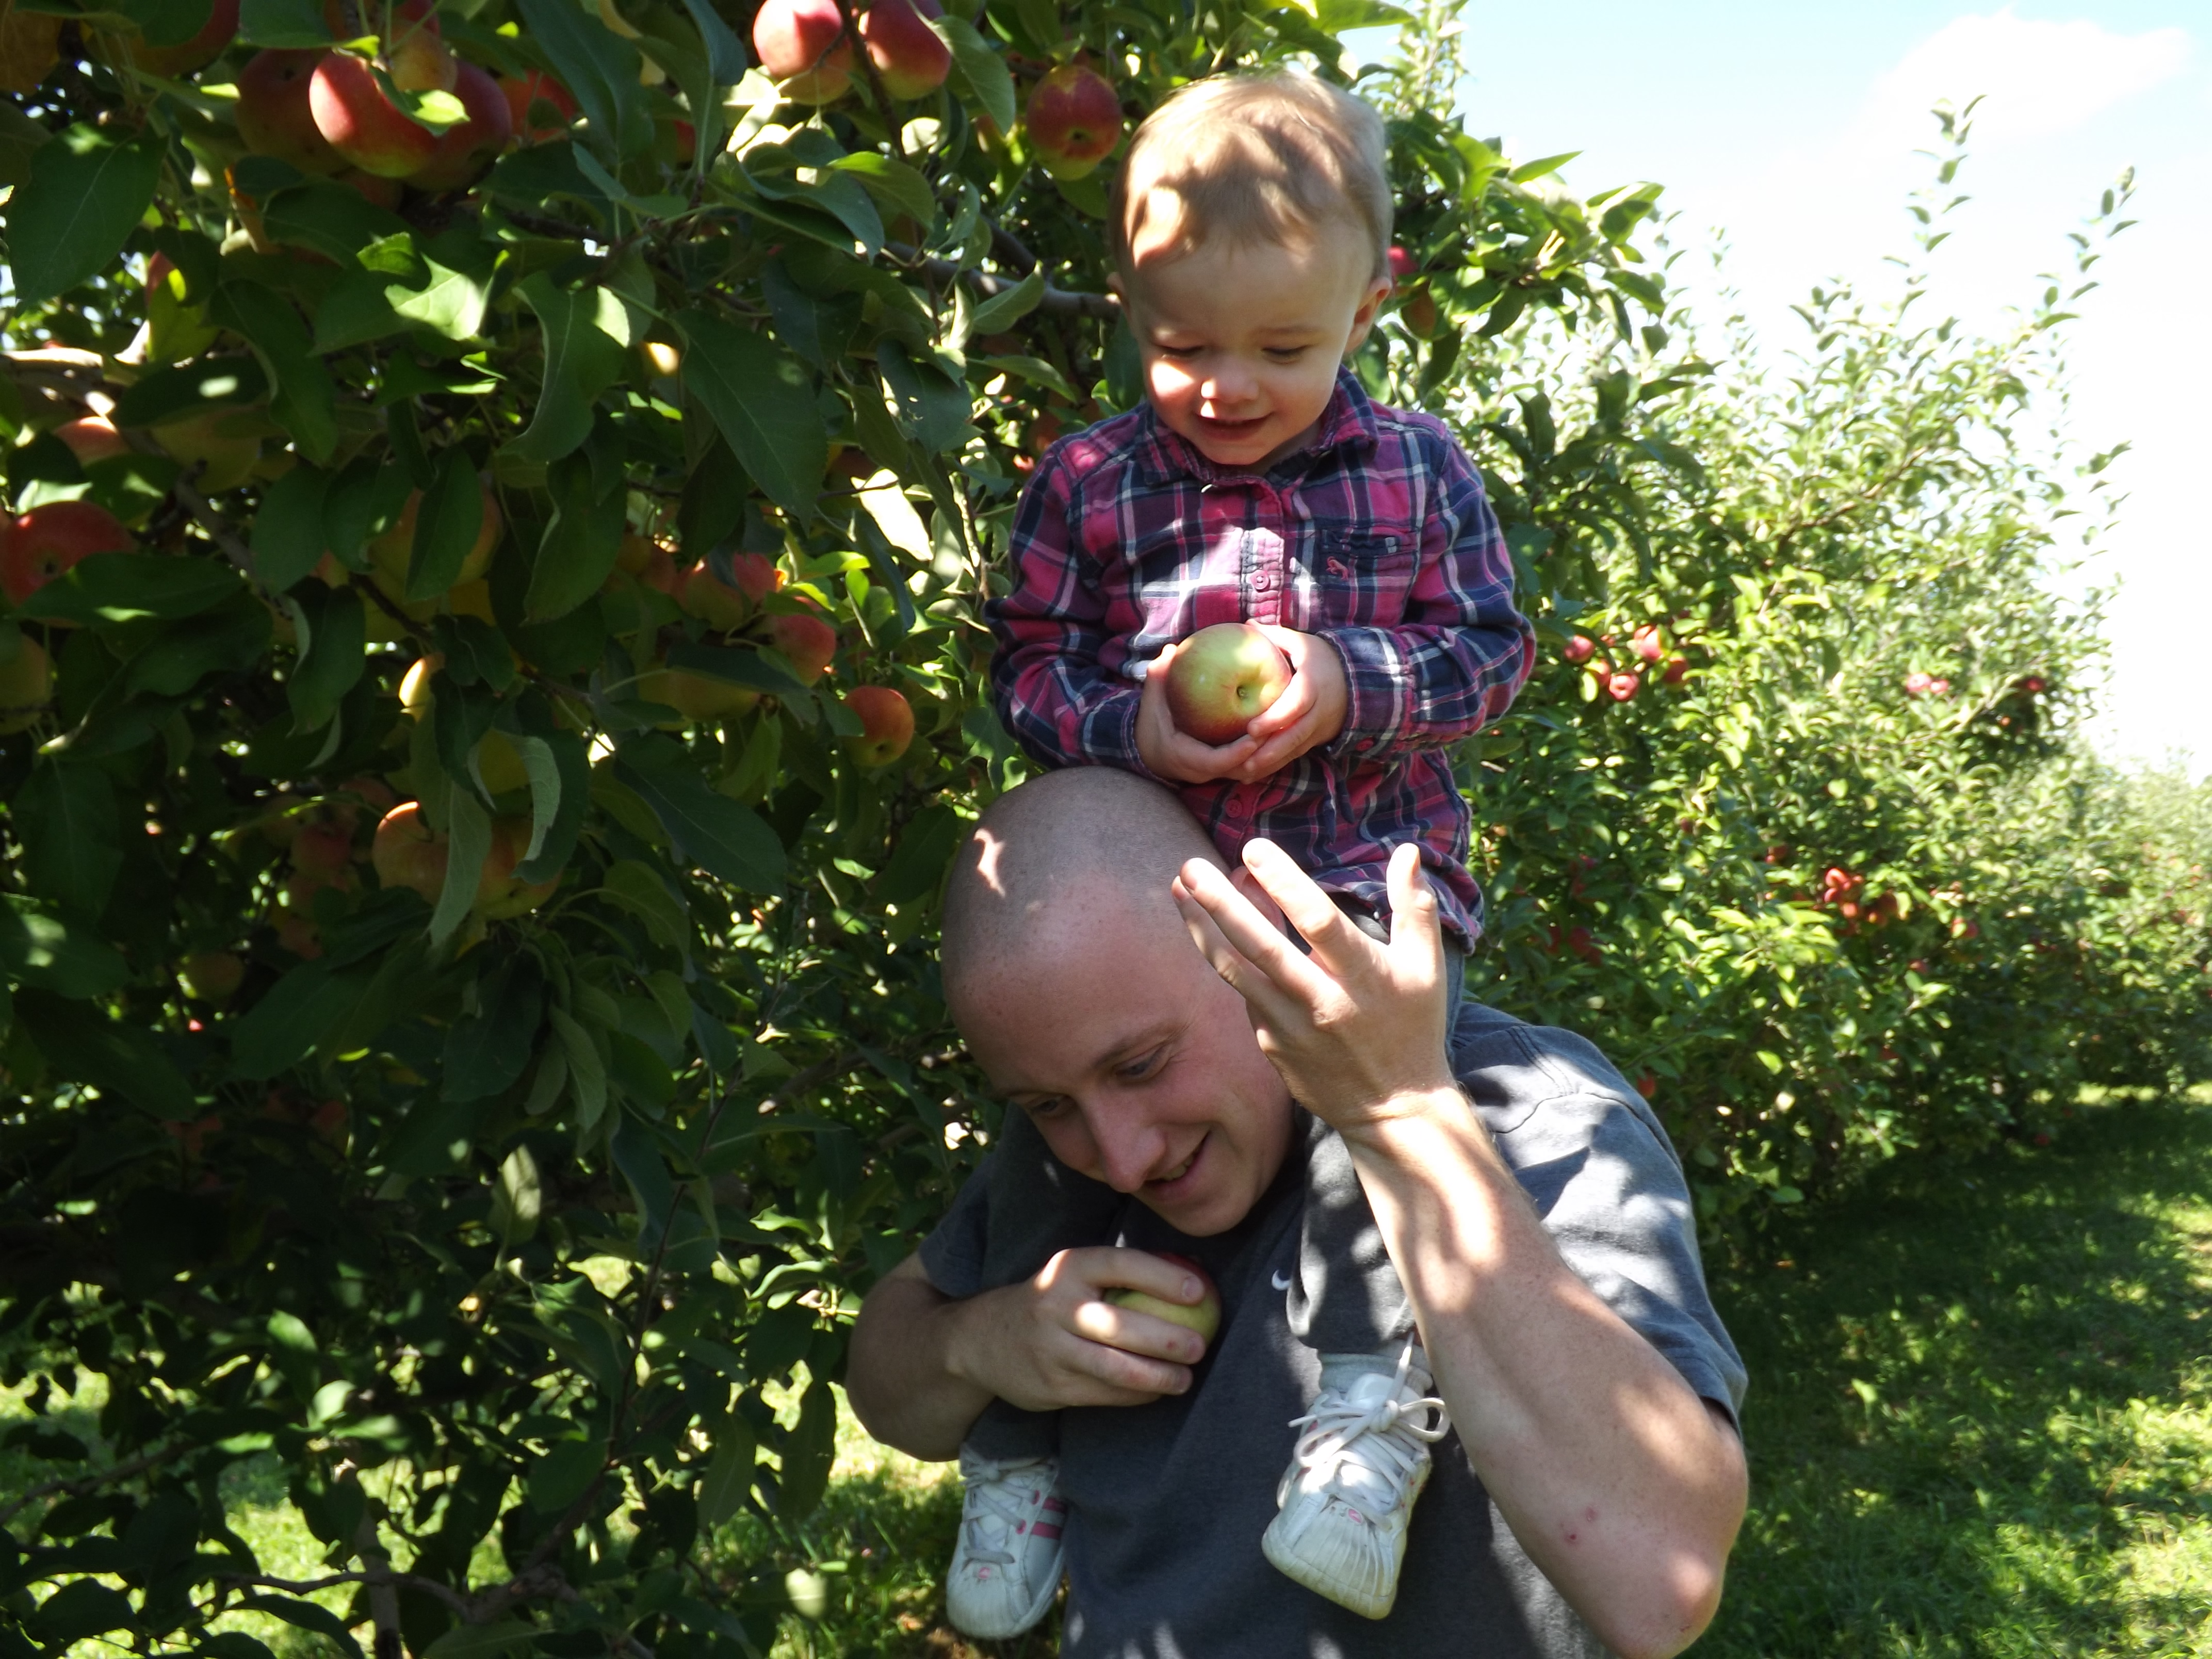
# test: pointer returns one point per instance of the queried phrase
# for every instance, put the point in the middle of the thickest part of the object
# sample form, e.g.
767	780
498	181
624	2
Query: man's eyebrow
1127	1047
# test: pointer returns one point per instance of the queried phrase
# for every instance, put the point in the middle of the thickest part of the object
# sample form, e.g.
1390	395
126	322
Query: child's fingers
1296	704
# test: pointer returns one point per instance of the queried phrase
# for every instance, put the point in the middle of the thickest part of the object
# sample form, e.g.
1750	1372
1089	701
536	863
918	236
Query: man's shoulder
1541	1090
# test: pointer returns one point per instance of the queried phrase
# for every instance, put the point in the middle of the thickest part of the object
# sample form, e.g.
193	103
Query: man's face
1137	1065
1241	345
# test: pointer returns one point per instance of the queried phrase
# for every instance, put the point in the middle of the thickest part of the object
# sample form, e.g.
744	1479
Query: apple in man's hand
1221	678
1204	1318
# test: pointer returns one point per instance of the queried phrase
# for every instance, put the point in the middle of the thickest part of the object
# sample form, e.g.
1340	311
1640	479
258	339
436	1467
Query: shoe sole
1001	1632
1280	1557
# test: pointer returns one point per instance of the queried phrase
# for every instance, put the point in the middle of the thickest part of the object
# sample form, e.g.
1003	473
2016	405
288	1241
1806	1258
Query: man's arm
1621	1483
924	1365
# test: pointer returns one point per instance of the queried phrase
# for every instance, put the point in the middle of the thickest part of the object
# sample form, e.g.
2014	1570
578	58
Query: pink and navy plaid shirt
1376	537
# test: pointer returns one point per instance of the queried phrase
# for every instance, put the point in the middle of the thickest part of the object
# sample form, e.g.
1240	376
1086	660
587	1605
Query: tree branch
71	1485
1065	301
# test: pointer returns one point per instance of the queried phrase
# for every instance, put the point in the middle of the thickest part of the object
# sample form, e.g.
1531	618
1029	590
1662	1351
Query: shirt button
1235	806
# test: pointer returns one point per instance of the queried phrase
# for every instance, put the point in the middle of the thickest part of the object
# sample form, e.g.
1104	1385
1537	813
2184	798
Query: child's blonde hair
1258	157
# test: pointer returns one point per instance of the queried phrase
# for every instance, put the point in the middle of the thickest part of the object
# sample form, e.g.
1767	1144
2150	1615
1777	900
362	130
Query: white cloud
2038	78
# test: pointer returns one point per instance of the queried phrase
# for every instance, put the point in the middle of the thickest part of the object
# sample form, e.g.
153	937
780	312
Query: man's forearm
1614	1476
899	1379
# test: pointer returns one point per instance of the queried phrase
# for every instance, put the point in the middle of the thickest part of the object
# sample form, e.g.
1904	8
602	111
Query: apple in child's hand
1204	1318
1220	678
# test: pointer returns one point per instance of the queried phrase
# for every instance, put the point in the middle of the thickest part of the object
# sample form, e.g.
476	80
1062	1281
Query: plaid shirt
1376	537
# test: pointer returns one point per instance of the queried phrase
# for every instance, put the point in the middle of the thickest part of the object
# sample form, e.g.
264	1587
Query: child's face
1240	343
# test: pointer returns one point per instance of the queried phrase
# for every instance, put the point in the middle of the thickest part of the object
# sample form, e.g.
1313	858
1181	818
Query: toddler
1258	483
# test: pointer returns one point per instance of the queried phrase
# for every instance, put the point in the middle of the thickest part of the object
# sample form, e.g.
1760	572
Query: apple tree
500	494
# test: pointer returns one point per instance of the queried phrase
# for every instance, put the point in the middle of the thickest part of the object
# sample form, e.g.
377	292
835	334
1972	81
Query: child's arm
1450	668
1048	679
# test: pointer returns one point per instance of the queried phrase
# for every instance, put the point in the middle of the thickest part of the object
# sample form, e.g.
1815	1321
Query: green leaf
729	1474
332	219
47	952
1528	172
722	837
1008	305
980	78
725	59
88	189
738	664
78	1610
560	768
487	1051
564	1474
587	336
186	653
581	541
333	634
468	844
600	68
808	1452
762	398
282	23
893	183
80	1041
306	403
65	818
918	862
639	888
930	405
1034	369
288	529
587	1072
480	1641
306	1615
294	1015
446	525
229	382
638	1158
115	587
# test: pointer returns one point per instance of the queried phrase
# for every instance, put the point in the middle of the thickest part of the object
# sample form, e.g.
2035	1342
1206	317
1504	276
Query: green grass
1980	1421
1980	1426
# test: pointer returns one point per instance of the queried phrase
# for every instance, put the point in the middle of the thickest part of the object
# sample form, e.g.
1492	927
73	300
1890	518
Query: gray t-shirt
1167	1501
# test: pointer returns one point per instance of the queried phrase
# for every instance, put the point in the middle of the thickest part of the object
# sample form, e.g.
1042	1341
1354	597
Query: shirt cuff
1110	733
1377	696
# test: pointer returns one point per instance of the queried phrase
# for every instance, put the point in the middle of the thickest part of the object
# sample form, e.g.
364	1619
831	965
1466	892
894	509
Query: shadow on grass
1981	1416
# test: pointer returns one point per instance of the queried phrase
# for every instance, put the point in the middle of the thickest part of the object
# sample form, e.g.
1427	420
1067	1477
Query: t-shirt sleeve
1605	1180
952	1255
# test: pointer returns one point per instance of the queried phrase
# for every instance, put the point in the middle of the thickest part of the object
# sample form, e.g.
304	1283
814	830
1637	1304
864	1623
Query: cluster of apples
804	638
35	547
30	46
331	112
1621	683
1072	117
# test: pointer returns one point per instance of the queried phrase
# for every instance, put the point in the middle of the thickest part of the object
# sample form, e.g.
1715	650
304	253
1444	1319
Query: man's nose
1128	1153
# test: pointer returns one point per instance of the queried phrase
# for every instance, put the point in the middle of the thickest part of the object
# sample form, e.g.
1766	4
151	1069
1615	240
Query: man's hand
1310	713
1053	1340
1357	1029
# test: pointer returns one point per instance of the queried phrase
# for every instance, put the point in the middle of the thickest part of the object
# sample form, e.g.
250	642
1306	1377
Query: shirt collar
1347	419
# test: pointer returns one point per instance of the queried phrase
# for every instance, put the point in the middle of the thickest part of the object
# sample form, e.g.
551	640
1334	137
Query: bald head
1057	860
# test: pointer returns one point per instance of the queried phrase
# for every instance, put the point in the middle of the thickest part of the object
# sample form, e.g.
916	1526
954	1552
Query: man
1544	1239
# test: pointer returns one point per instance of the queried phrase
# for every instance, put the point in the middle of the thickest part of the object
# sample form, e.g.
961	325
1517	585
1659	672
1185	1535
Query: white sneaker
1006	1568
1349	1492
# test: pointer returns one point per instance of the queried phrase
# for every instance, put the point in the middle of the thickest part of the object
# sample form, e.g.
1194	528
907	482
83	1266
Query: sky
1793	126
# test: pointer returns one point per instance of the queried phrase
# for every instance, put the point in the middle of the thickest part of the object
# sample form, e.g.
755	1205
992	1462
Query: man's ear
1245	883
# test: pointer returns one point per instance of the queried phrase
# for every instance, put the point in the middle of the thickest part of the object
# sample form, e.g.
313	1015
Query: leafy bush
583	528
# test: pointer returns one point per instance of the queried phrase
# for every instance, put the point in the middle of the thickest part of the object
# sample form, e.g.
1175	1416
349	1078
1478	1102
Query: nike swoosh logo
1281	1282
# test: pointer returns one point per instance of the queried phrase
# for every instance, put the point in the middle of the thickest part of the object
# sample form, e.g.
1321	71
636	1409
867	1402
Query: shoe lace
995	1507
1385	1438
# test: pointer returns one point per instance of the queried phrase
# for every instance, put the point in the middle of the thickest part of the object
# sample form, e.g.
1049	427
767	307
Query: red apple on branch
1074	120
49	540
910	59
1220	678
464	151
186	57
886	724
539	92
809	642
274	118
801	45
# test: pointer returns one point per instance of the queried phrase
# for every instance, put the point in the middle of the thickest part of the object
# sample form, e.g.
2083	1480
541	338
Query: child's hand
1309	712
1175	755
